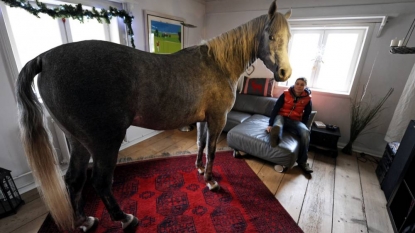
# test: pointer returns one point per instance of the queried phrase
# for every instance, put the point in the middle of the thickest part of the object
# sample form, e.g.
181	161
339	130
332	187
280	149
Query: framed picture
164	33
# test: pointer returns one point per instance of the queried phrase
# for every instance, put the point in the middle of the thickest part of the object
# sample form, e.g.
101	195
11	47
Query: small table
325	139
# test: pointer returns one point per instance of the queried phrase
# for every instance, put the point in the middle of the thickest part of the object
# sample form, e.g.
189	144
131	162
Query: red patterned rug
168	195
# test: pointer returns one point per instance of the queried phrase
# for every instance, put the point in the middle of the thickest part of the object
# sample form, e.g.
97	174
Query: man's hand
268	129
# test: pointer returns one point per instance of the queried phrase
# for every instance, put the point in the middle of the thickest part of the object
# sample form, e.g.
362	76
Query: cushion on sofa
235	118
251	137
257	86
254	104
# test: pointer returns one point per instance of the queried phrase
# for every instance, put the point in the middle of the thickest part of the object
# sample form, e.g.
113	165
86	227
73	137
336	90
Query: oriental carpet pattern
168	195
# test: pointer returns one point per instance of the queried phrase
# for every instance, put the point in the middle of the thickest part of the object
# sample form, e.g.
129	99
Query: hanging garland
76	12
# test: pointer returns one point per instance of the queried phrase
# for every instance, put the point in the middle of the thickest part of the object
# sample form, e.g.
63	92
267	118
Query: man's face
299	86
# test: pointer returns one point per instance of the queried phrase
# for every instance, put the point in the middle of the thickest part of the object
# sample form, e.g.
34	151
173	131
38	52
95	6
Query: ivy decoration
76	12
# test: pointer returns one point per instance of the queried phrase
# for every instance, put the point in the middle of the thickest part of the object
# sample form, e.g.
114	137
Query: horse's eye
271	38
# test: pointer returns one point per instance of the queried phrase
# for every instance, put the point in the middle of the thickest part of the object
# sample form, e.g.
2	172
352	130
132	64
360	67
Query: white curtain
404	112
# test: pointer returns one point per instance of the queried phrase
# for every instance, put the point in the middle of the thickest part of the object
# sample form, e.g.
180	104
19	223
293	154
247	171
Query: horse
95	90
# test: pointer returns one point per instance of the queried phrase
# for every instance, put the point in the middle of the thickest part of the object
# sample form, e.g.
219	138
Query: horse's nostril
282	72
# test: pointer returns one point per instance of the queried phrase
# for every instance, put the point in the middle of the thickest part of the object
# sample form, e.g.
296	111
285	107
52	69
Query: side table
325	139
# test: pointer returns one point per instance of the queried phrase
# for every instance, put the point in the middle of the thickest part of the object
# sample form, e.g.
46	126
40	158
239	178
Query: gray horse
95	90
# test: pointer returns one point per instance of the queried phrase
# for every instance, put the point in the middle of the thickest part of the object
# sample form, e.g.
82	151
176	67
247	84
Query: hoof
90	224
130	224
201	171
213	186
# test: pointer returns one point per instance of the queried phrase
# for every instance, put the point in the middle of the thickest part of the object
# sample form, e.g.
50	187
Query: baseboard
27	188
359	149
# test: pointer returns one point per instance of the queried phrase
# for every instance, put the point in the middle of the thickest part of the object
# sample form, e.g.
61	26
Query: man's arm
278	105
307	112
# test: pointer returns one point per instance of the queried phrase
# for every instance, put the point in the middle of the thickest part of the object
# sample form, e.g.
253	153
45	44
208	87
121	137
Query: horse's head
273	44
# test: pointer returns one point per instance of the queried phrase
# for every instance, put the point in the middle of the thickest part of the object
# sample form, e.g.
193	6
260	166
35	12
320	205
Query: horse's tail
39	150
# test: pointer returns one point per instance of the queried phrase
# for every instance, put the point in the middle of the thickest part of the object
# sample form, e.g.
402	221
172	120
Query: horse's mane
234	48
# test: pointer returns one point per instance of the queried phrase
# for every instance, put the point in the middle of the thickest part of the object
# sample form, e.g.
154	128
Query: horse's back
99	83
84	85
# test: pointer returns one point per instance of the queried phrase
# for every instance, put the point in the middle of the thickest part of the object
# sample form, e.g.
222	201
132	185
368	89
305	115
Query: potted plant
364	114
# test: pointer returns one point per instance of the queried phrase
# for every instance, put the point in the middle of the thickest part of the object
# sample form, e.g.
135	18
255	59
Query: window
327	56
30	36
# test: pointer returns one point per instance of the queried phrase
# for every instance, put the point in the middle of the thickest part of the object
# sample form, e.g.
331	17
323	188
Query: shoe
305	167
274	136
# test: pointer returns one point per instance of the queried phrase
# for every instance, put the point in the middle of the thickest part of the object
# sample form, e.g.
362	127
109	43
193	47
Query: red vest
291	109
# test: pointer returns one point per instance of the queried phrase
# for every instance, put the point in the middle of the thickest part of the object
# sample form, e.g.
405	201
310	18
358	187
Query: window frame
304	30
7	40
370	26
8	43
324	31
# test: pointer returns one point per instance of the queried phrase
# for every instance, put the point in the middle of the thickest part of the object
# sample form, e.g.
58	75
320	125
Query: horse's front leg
201	144
215	126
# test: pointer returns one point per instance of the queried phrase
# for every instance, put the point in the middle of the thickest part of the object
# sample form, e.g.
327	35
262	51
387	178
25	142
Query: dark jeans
298	128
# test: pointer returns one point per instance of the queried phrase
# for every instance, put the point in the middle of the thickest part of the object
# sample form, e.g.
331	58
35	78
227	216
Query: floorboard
30	195
32	226
374	200
317	211
270	177
256	164
145	143
295	181
26	213
348	211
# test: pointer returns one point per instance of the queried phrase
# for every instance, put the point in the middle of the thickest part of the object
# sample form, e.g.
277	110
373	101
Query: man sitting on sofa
291	112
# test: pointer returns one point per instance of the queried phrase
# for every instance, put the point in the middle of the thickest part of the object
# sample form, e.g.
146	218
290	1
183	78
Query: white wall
389	71
11	151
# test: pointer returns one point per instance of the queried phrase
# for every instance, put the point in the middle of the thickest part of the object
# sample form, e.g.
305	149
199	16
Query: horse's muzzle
282	75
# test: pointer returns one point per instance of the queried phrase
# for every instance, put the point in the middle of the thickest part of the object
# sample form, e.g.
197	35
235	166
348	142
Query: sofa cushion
250	136
254	104
235	118
257	86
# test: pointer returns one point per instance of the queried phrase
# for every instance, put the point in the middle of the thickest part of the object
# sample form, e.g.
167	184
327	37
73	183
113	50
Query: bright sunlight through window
327	57
92	30
31	36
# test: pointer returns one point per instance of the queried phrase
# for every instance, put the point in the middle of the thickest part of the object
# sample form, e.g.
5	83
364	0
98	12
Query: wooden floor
343	194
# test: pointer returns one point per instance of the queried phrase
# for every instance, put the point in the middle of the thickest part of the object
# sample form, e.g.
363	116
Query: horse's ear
272	9
288	14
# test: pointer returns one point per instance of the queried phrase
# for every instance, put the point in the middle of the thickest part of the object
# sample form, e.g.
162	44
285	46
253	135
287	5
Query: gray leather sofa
246	126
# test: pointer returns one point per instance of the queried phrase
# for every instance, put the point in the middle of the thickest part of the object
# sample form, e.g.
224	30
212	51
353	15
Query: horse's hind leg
75	179
201	144
104	153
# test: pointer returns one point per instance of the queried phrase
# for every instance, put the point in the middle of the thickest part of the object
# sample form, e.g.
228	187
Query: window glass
114	33
32	36
327	57
337	61
303	54
91	29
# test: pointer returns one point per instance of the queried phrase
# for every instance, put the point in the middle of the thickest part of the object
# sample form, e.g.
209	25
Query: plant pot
348	149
